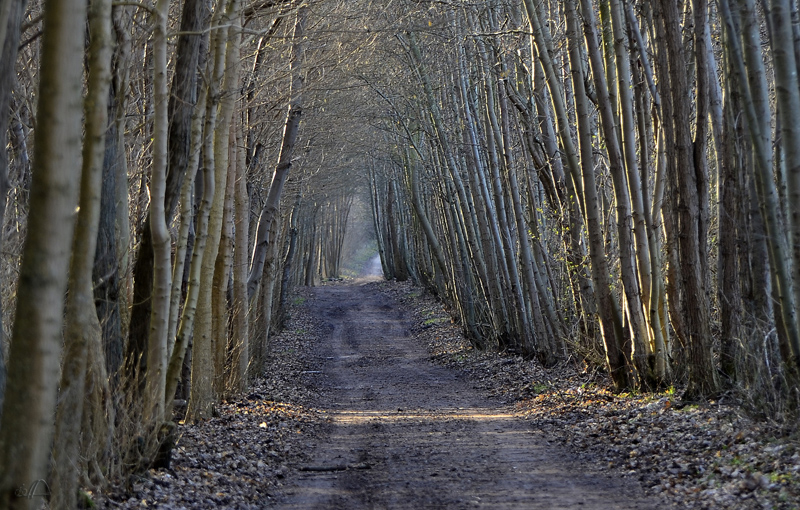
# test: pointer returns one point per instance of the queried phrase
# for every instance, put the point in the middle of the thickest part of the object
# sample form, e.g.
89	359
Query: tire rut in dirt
408	434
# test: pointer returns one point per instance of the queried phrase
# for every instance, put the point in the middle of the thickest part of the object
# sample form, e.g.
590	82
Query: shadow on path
408	434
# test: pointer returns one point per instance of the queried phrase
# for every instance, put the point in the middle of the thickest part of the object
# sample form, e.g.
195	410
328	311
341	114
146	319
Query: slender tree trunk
634	183
283	307
543	40
270	211
240	314
219	289
630	282
156	374
179	113
224	140
787	90
430	236
186	325
522	330
201	397
550	335
82	326
34	360
608	307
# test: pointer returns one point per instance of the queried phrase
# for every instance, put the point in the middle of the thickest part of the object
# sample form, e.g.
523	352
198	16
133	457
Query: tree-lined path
408	434
601	193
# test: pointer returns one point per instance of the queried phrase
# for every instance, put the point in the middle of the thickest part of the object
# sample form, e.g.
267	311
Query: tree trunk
608	307
765	185
82	326
182	99
270	211
430	236
106	272
287	264
156	375
224	140
240	316
201	397
219	289
35	354
688	169
787	91
729	290
187	320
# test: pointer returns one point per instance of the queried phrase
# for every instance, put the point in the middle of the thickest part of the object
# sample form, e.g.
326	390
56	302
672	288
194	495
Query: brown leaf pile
709	455
236	459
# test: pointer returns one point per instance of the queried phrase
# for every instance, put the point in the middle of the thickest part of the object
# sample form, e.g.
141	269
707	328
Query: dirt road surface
408	434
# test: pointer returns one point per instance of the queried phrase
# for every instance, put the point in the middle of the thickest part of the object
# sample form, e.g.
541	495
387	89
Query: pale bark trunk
219	289
179	107
665	209
82	325
522	328
156	375
185	211
283	308
269	213
634	183
35	354
496	225
608	307
430	236
201	396
655	299
542	40
630	282
240	313
186	324
548	342
222	146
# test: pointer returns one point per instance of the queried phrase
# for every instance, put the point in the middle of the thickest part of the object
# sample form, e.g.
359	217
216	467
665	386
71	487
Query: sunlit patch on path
405	433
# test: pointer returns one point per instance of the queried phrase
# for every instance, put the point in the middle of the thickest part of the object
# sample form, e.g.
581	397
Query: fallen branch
337	467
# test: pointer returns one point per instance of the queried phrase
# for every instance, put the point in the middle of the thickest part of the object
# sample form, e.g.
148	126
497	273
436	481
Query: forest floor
373	399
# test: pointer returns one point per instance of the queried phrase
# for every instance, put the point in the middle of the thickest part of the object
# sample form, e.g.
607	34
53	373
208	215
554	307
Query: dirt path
409	434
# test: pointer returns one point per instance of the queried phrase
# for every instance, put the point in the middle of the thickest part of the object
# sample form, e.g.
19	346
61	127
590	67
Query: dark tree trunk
183	96
106	261
287	273
729	291
687	169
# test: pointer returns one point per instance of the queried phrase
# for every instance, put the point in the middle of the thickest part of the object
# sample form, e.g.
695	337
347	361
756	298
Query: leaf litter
242	455
707	455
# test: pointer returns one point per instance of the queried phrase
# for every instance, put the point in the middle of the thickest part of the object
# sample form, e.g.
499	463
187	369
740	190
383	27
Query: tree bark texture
82	328
269	213
26	429
182	98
